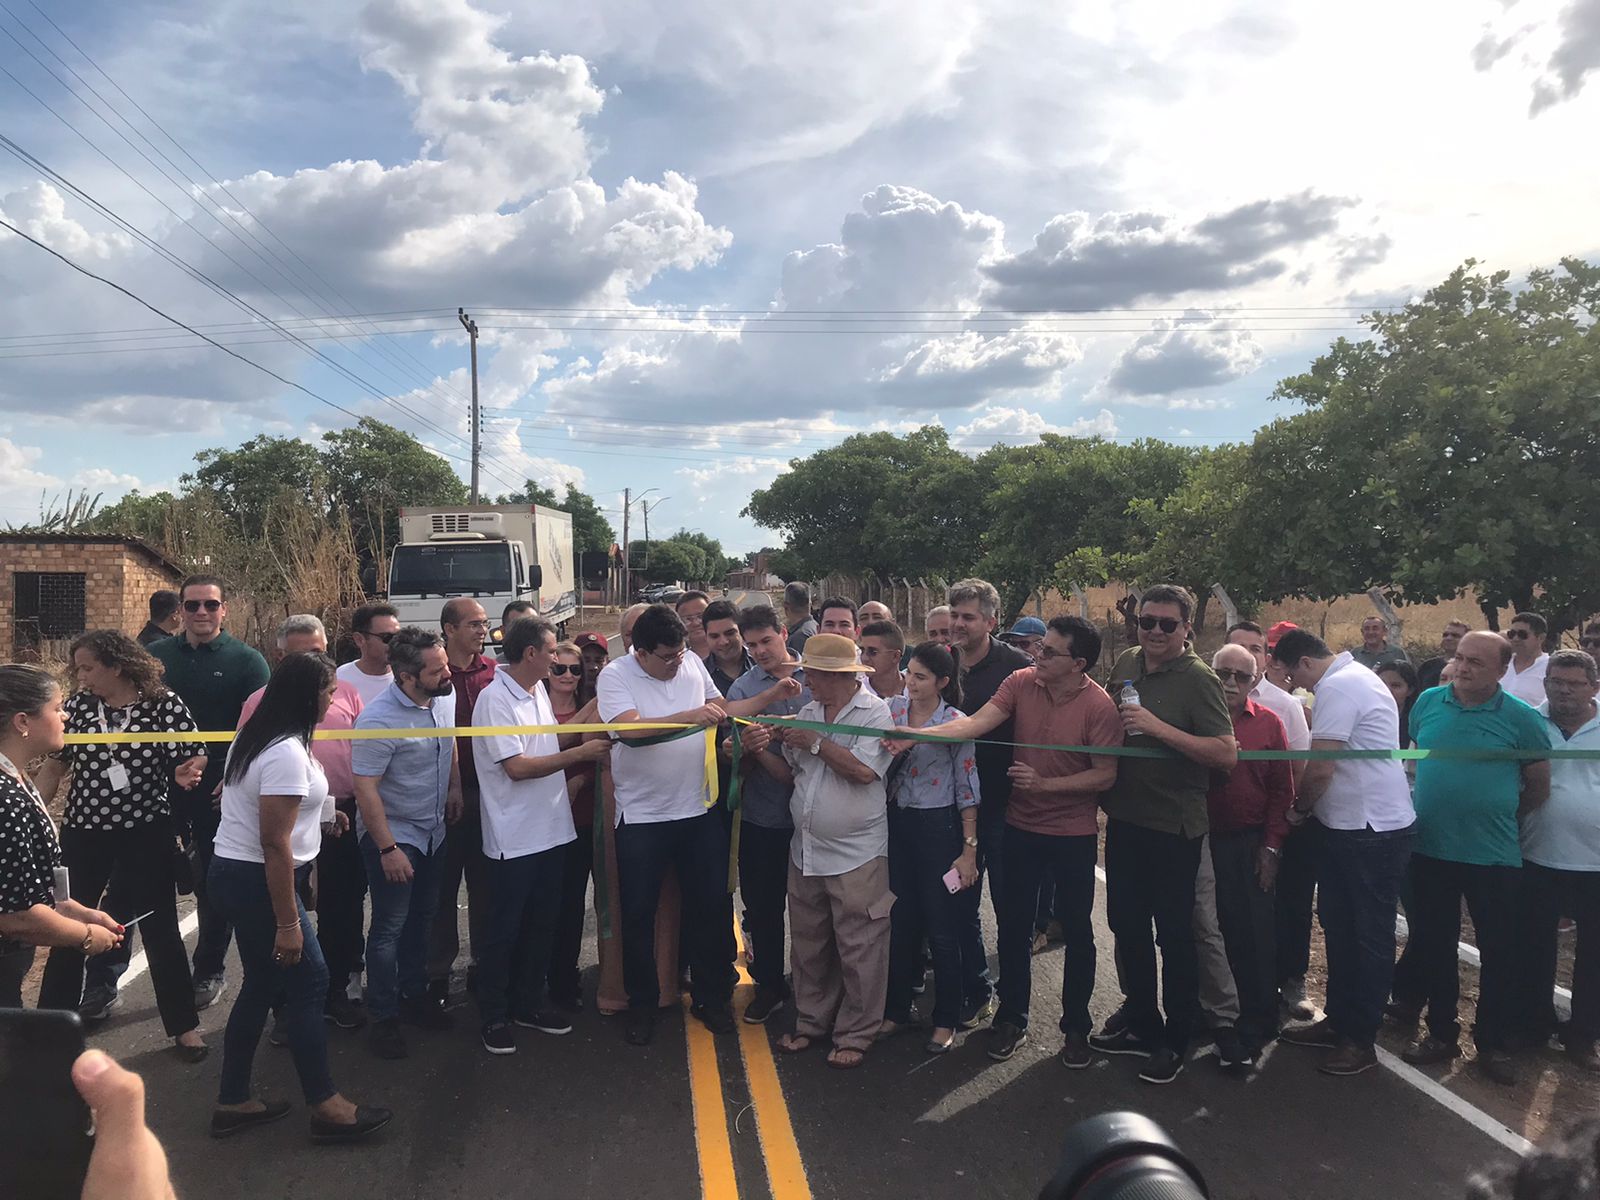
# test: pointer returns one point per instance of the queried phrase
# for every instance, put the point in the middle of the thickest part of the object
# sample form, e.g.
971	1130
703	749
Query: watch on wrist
816	746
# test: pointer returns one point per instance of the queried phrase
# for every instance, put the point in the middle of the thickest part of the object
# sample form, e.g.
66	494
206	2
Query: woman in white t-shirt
274	802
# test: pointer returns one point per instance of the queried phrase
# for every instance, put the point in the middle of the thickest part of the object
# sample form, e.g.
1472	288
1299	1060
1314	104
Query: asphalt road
587	1115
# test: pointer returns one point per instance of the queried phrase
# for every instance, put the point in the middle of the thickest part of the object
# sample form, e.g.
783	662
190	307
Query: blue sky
700	242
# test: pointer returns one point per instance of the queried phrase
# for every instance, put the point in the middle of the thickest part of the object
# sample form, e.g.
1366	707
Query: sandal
845	1059
794	1043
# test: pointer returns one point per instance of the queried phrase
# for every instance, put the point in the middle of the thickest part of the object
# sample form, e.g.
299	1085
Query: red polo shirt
468	681
1255	794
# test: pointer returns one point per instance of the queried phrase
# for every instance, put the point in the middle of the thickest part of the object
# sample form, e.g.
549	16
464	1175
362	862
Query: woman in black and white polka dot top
119	818
34	911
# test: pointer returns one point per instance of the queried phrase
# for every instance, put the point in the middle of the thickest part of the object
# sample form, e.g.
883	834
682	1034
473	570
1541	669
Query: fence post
1229	610
1082	597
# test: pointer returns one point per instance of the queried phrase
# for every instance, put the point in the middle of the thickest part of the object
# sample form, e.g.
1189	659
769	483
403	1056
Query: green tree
373	470
669	560
531	492
246	482
591	532
136	515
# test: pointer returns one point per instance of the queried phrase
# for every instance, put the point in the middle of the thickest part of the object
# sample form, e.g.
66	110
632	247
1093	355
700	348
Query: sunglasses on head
565	668
382	637
194	606
1167	624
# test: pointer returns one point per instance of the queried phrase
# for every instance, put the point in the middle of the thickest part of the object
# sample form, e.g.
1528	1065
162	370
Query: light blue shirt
1563	833
413	773
934	775
765	800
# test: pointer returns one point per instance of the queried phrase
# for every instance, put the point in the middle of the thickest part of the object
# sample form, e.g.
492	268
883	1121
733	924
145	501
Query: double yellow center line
786	1173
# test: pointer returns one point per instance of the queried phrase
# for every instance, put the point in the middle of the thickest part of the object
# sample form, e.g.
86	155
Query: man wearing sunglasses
466	628
1524	677
371	627
1156	829
213	674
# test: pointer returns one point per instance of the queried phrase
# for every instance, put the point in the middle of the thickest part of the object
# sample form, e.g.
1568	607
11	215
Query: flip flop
794	1043
839	1064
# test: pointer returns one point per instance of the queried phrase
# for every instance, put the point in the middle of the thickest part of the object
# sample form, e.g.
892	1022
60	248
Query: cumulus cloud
1199	349
999	425
1576	56
1081	261
22	482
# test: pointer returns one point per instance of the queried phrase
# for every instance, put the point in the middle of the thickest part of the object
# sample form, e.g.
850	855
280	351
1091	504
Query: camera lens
1123	1156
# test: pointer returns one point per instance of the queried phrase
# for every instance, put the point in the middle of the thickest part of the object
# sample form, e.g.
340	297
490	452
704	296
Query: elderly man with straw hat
839	898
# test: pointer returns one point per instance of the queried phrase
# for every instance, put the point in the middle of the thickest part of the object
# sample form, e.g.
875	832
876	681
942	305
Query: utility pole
471	327
627	577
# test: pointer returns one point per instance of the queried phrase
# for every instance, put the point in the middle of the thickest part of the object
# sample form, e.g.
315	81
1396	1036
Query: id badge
117	777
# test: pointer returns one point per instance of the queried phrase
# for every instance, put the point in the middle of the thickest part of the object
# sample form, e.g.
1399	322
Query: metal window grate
49	607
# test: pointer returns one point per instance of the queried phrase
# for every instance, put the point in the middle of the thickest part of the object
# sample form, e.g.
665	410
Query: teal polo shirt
1467	808
213	680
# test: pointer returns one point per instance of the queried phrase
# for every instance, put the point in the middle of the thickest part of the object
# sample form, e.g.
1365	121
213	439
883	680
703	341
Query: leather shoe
1426	1051
641	1027
226	1123
368	1121
1498	1067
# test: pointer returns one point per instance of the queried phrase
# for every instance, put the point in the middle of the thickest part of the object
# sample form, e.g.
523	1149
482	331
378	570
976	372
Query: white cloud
99	479
22	484
1199	349
998	425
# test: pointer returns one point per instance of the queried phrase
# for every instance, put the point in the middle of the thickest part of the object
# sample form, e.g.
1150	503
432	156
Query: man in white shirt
371	625
1524	677
527	822
1297	870
664	816
1362	807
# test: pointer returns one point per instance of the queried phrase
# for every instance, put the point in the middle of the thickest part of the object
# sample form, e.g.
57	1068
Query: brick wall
118	582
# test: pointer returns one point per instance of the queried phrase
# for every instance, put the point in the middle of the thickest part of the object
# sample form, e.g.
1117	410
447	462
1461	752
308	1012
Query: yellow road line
786	1173
717	1180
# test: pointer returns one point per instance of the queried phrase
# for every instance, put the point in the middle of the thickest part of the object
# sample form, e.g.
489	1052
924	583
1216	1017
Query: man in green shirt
1375	650
1157	811
213	674
1468	847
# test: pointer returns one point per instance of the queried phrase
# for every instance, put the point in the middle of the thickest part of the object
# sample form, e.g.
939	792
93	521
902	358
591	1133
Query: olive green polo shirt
213	680
1167	794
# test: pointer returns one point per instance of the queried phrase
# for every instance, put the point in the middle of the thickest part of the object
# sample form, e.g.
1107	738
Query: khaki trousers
839	952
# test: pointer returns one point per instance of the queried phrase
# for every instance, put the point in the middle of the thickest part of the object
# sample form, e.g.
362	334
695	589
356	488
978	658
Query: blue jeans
1359	872
239	891
923	844
524	908
1067	862
397	939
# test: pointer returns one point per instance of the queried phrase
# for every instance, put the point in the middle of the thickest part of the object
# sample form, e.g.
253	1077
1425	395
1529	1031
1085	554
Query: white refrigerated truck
495	553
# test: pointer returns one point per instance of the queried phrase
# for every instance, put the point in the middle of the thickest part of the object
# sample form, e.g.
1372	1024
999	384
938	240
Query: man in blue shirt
407	789
767	826
1467	847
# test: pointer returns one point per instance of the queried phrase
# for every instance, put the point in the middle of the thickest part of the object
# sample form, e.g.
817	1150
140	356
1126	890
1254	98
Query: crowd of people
878	783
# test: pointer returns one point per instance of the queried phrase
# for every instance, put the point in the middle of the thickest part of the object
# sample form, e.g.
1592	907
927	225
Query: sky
701	240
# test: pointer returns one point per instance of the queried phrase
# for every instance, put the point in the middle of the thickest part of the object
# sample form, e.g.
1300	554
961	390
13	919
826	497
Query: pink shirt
334	756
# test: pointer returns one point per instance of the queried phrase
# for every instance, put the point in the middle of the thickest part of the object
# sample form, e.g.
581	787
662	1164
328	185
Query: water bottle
1129	694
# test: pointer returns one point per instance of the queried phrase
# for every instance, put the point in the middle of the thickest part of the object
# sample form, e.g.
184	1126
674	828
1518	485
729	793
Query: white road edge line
1465	1109
139	964
1468	953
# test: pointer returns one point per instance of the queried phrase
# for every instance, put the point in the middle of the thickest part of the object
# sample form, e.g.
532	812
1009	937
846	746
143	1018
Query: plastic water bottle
1129	694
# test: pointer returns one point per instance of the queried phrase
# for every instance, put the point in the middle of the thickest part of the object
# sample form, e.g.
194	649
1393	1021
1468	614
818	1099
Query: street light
647	508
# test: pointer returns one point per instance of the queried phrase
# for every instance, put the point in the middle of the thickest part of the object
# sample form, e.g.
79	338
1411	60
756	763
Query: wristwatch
816	746
971	841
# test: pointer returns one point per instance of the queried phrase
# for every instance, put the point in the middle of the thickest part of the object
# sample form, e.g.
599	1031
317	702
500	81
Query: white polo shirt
1353	706
527	816
1287	709
666	782
1564	832
1527	686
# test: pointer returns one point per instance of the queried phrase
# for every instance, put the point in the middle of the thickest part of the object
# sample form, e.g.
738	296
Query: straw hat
831	652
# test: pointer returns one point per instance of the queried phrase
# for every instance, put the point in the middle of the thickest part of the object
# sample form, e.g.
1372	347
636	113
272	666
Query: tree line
1457	447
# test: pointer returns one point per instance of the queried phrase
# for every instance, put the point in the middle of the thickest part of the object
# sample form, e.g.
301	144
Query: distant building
753	576
55	586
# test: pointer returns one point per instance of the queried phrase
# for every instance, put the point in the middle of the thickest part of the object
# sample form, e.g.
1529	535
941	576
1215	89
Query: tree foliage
591	532
373	470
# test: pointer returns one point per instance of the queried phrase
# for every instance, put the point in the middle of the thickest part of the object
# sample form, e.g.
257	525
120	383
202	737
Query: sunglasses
1225	674
1167	624
194	606
1519	634
565	668
382	637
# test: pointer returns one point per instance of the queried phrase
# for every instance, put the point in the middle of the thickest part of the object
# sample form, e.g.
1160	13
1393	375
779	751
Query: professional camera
1123	1156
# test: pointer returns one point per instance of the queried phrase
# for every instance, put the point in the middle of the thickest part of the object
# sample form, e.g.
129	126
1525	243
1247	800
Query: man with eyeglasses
1248	811
466	627
1561	861
1156	829
1429	672
213	674
371	628
664	818
882	644
1524	677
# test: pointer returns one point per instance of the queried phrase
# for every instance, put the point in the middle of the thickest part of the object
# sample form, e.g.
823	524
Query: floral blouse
935	775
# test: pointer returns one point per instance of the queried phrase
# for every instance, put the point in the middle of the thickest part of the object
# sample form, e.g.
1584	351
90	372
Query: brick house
55	586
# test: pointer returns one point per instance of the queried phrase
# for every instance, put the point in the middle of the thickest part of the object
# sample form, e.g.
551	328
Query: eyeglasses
194	606
1519	634
671	658
1224	674
874	651
564	668
1168	624
382	637
1049	653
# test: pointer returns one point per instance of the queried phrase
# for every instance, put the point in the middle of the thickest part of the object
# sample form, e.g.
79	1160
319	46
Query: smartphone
952	880
45	1129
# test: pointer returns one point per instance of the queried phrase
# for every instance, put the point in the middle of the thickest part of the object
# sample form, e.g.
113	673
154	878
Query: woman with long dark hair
273	799
32	912
933	805
1402	681
572	701
119	819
